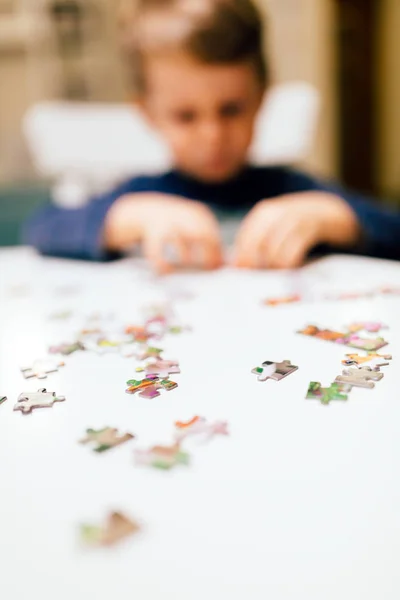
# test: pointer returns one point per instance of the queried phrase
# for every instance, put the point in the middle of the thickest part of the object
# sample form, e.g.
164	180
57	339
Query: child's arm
280	232
134	213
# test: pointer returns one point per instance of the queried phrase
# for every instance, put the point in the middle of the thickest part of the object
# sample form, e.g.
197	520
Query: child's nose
213	131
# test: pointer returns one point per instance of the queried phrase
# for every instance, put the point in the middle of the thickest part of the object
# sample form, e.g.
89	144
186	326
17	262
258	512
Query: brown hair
212	31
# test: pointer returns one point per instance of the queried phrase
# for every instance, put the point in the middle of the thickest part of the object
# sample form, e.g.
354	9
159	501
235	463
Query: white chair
86	149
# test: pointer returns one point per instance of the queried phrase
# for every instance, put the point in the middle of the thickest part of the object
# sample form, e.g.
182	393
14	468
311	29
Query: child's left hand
279	233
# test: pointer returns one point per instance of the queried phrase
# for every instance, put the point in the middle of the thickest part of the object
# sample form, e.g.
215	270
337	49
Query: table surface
301	501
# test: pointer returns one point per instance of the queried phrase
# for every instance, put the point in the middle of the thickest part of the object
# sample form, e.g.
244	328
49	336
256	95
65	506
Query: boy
200	73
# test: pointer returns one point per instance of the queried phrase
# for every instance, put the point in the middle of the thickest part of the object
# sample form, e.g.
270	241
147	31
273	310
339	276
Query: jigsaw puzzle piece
105	439
369	345
66	349
116	528
3	399
359	377
41	368
136	385
162	457
327	395
200	426
323	334
372	360
369	326
163	368
40	399
276	371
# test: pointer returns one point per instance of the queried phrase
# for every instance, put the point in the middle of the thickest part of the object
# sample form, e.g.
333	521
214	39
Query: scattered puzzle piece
283	300
276	371
327	395
66	349
149	352
139	334
359	377
150	386
323	334
200	426
163	368
369	326
372	360
41	368
3	399
346	339
27	401
117	527
369	345
105	439
162	457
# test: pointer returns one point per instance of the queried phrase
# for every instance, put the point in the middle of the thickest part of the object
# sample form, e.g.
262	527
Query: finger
292	252
154	252
208	251
273	244
247	245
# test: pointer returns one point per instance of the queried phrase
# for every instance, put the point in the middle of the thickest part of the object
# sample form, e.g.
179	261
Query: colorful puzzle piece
372	360
276	371
105	439
139	334
149	352
323	334
327	395
359	377
346	339
116	528
27	401
369	345
163	368
369	326
200	426
162	457
41	368
150	386
283	300
66	349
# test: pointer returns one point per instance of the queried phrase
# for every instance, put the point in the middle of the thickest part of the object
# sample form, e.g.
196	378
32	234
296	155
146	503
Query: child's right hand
159	221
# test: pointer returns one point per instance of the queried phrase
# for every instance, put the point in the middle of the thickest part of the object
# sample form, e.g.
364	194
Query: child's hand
280	233
160	222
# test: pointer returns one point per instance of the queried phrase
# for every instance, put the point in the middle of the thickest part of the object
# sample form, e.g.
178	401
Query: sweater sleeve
380	224
78	233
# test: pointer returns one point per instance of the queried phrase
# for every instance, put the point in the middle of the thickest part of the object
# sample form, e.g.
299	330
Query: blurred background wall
67	49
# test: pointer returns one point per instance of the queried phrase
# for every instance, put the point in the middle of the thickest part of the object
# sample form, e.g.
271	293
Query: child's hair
211	31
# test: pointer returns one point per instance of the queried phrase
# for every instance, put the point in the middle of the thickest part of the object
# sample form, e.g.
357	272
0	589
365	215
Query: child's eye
233	109
185	116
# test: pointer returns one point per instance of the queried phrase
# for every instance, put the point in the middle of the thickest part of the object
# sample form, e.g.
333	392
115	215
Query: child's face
206	113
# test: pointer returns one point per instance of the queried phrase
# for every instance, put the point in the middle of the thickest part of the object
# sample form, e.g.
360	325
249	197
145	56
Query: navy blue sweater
78	233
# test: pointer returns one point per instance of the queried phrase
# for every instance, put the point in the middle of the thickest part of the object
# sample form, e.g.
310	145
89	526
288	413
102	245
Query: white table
302	501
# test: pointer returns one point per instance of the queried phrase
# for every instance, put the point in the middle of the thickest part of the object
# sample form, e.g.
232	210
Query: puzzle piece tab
149	352
276	371
66	349
105	439
162	457
41	368
27	401
359	377
327	395
116	528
